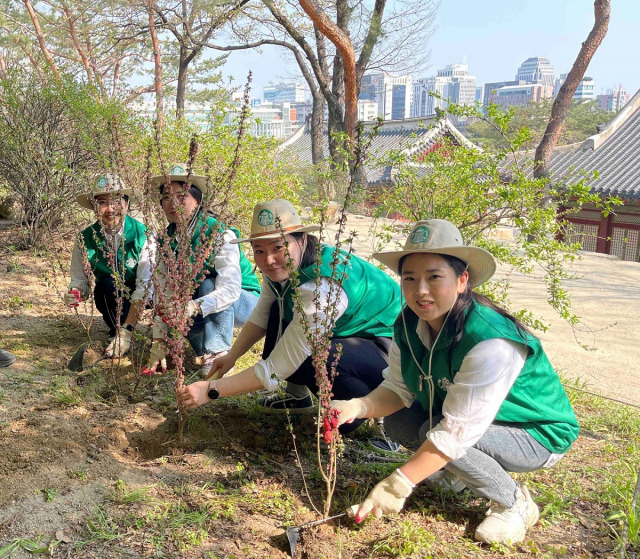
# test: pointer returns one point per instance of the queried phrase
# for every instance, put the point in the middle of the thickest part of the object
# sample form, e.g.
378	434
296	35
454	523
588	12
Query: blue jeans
503	448
214	332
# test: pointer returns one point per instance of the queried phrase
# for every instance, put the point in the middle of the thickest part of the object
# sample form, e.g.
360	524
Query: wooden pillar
604	234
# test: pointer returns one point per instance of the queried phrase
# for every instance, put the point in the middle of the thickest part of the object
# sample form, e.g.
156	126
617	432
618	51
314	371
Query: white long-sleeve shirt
144	286
293	348
228	280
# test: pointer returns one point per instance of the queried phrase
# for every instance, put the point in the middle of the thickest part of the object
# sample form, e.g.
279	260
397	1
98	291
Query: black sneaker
281	403
6	358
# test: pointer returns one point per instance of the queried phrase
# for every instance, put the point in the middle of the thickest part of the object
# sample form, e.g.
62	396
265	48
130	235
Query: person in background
365	303
115	243
228	289
468	387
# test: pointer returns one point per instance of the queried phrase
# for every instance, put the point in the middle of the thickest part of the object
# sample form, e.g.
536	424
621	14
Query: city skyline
496	41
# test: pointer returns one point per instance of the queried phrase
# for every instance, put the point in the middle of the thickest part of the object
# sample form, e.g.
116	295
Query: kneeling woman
481	397
228	289
365	307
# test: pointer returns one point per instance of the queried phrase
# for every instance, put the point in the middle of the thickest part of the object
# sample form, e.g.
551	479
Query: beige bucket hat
108	183
439	236
181	172
274	218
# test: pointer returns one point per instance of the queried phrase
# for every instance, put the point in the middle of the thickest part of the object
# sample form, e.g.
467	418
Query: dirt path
604	295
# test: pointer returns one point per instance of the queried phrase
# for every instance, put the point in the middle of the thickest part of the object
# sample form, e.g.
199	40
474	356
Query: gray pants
503	448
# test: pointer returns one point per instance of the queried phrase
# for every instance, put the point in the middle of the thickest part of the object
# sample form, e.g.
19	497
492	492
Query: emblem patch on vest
265	218
102	182
130	262
444	384
420	235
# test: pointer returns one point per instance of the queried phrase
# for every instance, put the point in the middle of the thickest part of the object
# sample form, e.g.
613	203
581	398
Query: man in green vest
116	254
472	390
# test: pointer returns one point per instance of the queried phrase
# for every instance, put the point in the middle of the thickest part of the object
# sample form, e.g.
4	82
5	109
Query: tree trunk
181	87
157	59
40	36
317	132
343	43
602	12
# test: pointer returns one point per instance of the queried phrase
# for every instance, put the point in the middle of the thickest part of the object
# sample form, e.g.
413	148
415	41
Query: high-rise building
393	94
614	99
452	84
512	95
491	88
585	90
536	70
480	94
284	92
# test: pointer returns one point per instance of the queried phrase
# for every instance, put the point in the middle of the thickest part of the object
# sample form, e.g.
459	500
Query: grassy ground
90	466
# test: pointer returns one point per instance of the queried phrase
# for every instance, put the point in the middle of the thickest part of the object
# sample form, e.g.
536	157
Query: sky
496	36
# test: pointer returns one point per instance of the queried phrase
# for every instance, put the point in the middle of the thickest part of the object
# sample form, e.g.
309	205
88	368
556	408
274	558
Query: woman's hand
387	497
348	410
221	366
156	357
194	395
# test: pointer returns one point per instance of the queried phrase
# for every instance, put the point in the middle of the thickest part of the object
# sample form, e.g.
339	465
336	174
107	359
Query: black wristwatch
213	392
128	327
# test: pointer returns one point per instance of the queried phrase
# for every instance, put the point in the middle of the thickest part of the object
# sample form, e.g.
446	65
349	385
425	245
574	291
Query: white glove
387	497
120	343
193	308
72	298
159	329
348	410
156	357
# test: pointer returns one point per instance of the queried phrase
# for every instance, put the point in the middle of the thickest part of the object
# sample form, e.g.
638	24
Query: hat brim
481	264
277	234
199	181
86	200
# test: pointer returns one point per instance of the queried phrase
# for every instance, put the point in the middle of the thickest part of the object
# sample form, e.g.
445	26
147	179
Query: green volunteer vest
536	402
128	254
374	298
214	228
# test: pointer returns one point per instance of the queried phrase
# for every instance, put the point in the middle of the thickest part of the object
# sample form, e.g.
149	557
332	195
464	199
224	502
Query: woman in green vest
365	304
228	289
115	240
468	387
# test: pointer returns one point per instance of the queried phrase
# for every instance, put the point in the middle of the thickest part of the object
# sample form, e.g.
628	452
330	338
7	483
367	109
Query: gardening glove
72	298
120	344
156	357
347	411
193	308
387	497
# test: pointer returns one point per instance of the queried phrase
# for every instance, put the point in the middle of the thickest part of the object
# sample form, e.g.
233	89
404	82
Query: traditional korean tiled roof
614	153
416	135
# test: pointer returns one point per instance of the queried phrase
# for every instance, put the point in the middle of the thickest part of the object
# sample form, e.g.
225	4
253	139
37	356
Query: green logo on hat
102	182
265	218
177	170
420	235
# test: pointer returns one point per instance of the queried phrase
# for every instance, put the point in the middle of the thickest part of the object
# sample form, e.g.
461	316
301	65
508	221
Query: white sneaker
445	481
509	524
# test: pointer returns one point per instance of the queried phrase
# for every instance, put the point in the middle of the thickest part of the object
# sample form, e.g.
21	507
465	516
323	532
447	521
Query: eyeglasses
101	203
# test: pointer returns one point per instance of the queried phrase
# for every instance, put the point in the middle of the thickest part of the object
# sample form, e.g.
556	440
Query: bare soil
75	448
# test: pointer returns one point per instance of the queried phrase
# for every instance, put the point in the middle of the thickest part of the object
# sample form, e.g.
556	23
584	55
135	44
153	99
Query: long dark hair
310	253
455	322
